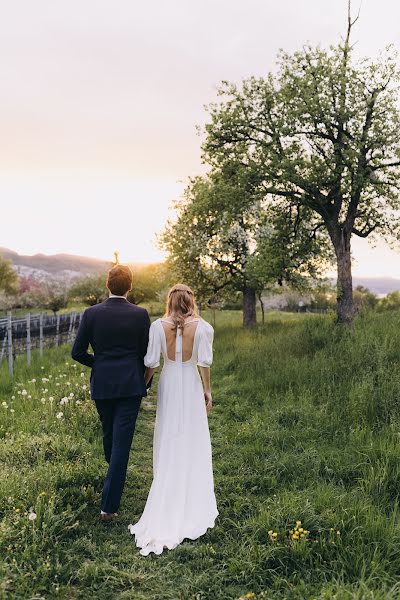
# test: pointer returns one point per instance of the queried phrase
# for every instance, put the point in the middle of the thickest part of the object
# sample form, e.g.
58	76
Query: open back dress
181	502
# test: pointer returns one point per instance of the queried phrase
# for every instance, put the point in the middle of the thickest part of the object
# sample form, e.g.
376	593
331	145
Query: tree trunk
249	307
262	308
345	305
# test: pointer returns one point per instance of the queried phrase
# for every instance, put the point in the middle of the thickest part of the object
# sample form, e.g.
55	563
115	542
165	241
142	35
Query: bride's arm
148	374
205	375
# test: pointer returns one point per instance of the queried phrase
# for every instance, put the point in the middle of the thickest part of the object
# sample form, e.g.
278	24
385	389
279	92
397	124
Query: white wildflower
24	393
64	400
59	415
32	515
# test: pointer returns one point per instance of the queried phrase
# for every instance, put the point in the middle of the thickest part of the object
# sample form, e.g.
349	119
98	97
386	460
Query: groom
118	333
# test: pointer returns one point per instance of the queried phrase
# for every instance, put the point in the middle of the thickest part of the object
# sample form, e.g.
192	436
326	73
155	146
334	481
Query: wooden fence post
10	345
75	319
28	339
58	329
3	348
41	334
69	328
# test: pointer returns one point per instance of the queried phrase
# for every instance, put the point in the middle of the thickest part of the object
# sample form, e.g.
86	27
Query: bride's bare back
188	334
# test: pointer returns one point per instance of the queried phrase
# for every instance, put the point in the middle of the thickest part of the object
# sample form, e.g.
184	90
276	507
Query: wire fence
21	335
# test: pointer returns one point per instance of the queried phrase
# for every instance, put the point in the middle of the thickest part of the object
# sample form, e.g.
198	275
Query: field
305	428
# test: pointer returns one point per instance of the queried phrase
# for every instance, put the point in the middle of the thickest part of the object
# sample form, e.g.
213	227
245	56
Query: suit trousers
118	419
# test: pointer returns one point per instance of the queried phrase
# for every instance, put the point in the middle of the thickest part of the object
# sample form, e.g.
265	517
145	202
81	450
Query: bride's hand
208	399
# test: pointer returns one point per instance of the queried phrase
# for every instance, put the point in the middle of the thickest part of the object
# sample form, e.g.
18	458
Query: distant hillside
55	264
378	285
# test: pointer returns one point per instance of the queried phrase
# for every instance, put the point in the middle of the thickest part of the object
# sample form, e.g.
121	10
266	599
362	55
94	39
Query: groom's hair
119	280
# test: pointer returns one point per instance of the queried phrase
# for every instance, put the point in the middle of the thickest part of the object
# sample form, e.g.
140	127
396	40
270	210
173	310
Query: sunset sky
99	102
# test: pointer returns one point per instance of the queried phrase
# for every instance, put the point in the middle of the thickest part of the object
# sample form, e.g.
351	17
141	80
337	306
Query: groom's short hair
119	280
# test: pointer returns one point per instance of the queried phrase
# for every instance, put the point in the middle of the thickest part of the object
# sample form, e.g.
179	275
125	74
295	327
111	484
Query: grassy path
305	428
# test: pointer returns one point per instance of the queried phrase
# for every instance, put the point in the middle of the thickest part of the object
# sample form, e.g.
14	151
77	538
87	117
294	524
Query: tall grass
305	428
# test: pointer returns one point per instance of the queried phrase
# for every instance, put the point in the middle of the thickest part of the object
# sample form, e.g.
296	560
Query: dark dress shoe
107	517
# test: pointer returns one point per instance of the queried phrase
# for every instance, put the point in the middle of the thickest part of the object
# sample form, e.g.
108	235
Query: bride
181	502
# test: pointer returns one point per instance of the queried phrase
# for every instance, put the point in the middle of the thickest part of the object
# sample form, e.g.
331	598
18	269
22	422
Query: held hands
208	399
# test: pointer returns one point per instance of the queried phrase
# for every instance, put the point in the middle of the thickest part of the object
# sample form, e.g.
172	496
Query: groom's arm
145	343
145	336
80	348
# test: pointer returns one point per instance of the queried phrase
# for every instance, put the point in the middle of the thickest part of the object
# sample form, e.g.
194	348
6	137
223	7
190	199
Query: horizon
329	274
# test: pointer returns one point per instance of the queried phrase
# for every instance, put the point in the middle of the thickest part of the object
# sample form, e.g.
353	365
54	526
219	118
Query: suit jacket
118	333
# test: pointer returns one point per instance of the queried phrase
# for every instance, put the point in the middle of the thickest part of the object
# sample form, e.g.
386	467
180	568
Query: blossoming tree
225	238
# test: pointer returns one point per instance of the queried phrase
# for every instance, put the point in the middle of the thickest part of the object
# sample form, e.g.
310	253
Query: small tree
364	298
323	134
149	281
390	302
8	277
54	295
90	290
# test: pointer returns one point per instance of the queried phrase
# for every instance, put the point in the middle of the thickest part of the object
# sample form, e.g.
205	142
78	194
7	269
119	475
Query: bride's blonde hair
181	305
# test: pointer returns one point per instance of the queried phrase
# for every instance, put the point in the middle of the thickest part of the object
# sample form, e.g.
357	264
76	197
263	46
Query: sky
99	103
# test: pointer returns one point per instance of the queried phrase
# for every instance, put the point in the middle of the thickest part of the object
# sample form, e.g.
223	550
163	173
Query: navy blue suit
118	333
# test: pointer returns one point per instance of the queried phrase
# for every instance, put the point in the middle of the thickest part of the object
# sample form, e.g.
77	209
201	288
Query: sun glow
87	217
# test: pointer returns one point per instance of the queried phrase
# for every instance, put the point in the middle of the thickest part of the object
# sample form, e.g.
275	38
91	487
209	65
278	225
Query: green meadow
306	438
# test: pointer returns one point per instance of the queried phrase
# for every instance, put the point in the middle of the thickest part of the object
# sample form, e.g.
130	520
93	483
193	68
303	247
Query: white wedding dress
181	502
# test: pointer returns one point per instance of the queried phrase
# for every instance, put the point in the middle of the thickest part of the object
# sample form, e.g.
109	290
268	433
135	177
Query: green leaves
8	277
228	237
322	132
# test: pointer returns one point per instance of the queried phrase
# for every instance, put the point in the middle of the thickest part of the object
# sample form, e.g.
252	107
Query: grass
305	428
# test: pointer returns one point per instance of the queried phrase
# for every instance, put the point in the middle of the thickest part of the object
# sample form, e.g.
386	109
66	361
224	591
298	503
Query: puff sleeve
205	351
152	358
